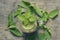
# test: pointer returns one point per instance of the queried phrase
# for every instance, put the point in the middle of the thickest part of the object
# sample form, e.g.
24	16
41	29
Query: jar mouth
29	28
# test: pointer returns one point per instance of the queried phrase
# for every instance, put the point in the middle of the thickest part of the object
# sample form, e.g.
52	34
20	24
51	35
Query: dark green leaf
53	13
16	32
10	19
12	26
44	36
24	4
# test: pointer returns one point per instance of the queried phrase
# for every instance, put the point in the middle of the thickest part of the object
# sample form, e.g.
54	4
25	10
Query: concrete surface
7	6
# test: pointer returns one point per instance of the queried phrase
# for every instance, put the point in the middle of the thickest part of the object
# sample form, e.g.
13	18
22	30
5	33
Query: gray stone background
7	6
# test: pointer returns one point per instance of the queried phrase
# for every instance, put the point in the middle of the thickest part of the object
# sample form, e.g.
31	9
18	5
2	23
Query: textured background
7	6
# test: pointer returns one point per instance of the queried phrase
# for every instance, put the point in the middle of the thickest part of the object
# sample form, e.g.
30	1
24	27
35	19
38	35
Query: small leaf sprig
28	17
12	26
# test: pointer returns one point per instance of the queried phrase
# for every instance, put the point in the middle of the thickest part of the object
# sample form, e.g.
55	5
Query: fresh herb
31	19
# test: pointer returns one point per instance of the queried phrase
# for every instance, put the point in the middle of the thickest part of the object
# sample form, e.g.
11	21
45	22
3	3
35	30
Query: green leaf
42	20
27	14
25	22
44	17
45	28
38	10
53	13
16	32
12	26
32	19
21	18
18	11
10	19
24	4
47	35
41	36
44	36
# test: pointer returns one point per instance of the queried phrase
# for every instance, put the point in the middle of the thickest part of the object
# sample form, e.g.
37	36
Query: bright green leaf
53	13
12	26
25	22
27	14
18	11
21	18
32	19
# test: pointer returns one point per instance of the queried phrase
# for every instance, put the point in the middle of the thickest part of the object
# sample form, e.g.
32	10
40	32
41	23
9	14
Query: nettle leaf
18	12
25	22
24	4
21	18
45	28
53	13
38	10
32	19
28	17
44	36
31	8
47	35
41	36
10	19
27	14
16	32
44	17
12	26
